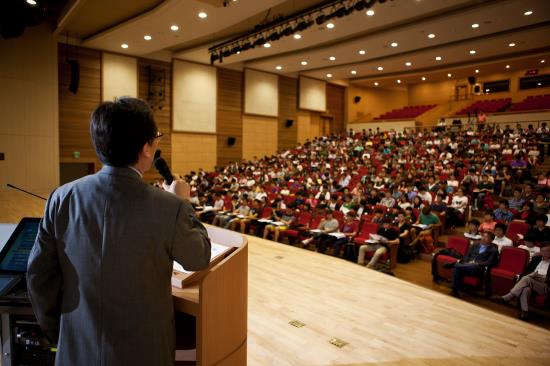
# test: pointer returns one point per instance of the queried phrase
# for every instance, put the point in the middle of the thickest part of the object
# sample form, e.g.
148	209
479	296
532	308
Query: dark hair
491	235
500	225
119	129
475	222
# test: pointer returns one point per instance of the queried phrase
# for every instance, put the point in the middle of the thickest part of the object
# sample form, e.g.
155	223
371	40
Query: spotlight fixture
147	37
174	28
321	19
330	25
408	63
362	52
360	5
431	35
279	67
124	45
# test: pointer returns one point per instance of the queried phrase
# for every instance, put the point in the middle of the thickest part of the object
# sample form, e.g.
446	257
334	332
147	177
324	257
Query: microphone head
160	164
157	154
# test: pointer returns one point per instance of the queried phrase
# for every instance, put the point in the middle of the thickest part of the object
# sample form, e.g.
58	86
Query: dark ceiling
15	15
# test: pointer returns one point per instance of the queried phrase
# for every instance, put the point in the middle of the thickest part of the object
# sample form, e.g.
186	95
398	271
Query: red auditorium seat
515	228
532	102
510	267
458	243
302	223
367	228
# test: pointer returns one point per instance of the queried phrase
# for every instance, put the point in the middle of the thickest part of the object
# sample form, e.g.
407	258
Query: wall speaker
356	99
75	76
289	123
471	80
231	141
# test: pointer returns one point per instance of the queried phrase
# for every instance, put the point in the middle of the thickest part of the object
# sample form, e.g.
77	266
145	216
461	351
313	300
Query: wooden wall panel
288	89
191	151
229	116
336	106
75	109
163	116
259	136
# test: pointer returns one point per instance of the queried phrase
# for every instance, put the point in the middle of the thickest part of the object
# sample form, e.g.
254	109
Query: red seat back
266	212
304	218
459	244
513	259
515	228
368	228
315	220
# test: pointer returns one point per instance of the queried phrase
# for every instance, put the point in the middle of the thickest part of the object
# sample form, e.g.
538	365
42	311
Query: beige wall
442	92
191	151
29	135
374	102
259	136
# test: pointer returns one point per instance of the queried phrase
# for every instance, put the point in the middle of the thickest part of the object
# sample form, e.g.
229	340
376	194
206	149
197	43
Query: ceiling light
362	52
279	67
449	75
542	61
376	83
238	52
124	45
477	71
370	13
353	72
394	44
475	25
431	35
507	66
423	78
472	52
332	58
511	44
380	68
330	25
203	15
297	36
438	58
174	27
487	90
539	84
304	63
31	2
528	12
398	81
147	37
267	45
408	63
329	75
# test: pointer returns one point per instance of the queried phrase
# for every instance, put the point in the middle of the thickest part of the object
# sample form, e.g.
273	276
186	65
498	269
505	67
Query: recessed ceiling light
297	36
438	58
398	81
124	45
449	75
380	68
370	13
332	58
376	83
539	84
394	44
472	52
279	67
528	12
423	78
507	66
303	63
238	52
31	2
203	15
542	61
174	27
477	71
511	44
431	35
147	37
353	72
408	63
267	45
362	52
475	25
329	75
330	25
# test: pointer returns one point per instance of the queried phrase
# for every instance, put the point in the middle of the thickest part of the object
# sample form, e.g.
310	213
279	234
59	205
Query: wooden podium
219	303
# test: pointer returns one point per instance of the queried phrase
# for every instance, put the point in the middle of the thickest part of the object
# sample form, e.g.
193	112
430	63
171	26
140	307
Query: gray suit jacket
99	272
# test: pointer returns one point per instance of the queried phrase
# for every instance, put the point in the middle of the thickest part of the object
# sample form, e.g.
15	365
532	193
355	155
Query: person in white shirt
500	239
536	281
529	245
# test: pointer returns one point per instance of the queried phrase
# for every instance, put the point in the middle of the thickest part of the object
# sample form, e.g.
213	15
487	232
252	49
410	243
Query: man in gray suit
99	272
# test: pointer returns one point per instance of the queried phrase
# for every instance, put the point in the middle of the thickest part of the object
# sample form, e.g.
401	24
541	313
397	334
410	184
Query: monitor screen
15	254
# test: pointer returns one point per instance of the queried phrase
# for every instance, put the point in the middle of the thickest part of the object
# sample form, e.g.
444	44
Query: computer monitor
15	254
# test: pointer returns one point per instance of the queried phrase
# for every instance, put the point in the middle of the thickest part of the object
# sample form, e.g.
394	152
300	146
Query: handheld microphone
27	192
163	168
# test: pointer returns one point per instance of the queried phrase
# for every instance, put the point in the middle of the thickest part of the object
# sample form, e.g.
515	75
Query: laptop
13	260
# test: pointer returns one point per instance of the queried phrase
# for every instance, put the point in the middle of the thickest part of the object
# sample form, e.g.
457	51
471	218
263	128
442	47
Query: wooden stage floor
385	320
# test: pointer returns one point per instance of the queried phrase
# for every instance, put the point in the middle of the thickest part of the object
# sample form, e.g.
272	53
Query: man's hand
178	187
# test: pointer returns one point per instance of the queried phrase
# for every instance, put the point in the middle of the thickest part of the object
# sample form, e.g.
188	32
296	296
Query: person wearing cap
390	237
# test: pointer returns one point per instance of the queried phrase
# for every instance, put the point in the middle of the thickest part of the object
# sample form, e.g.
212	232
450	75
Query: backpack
404	254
